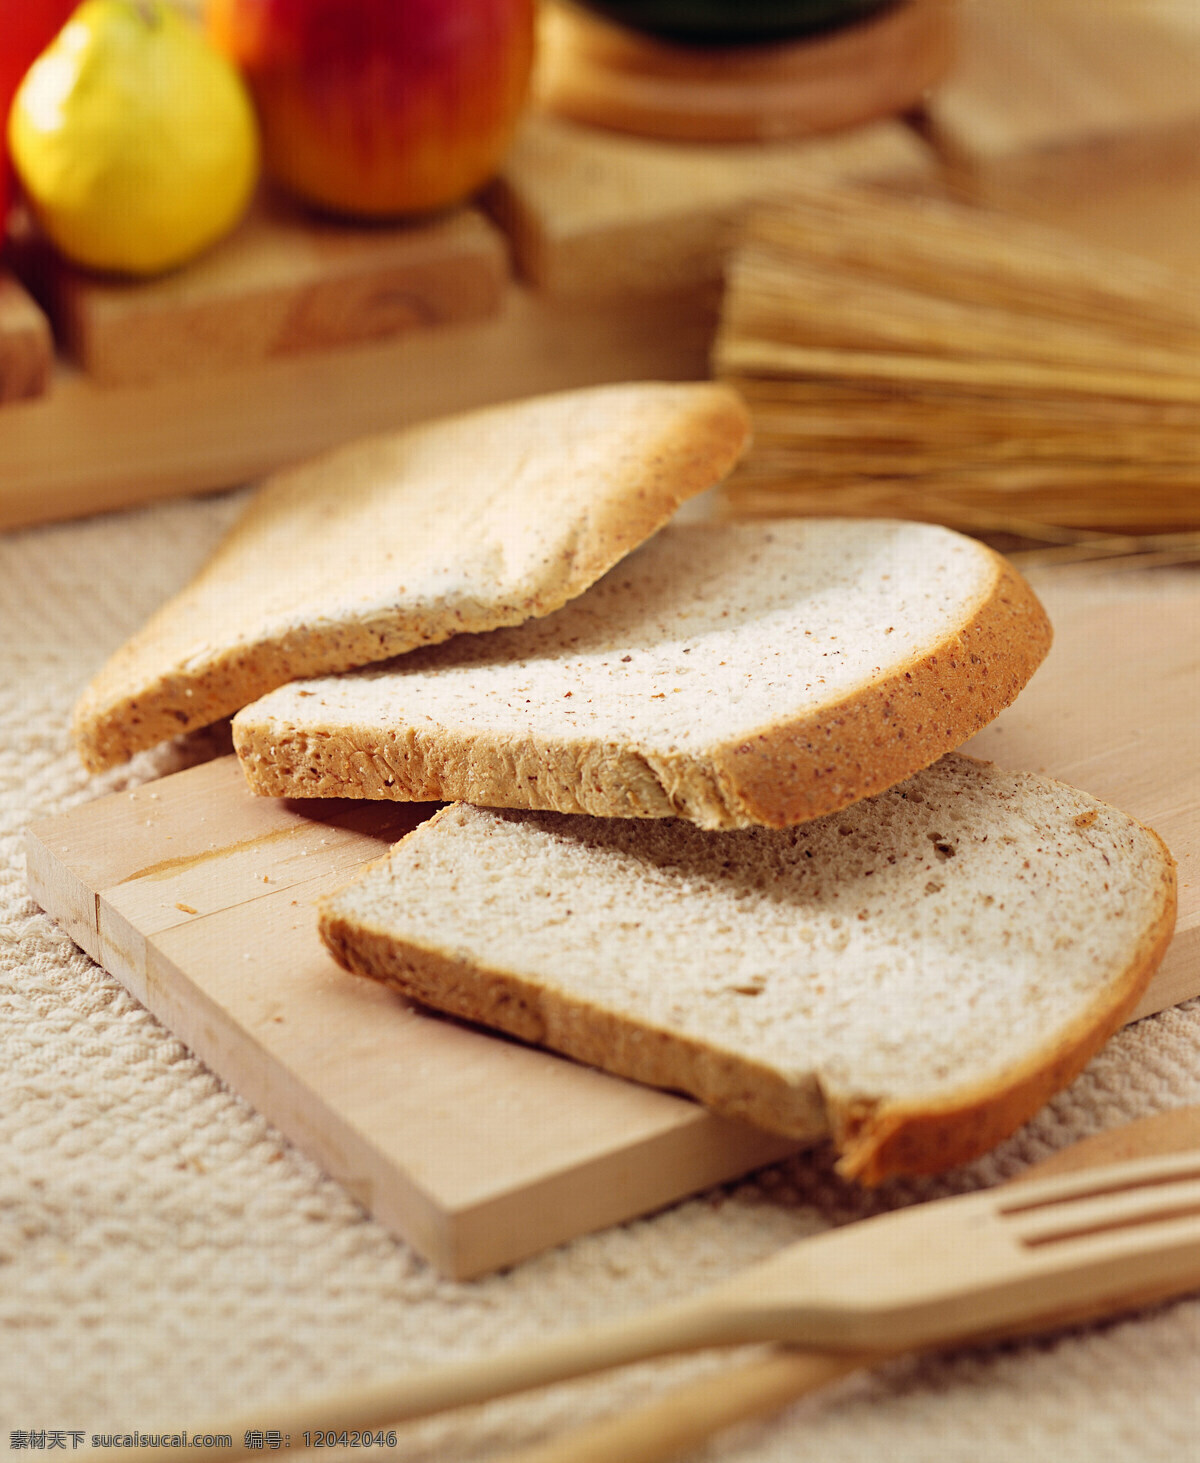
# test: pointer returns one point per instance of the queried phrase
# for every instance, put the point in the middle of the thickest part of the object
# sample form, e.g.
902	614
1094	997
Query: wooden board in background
1054	97
283	283
1047	95
1083	113
609	217
85	448
481	1151
88	447
598	72
26	344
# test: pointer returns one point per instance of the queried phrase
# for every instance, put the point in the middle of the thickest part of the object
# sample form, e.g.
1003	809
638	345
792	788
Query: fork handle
689	1415
687	1326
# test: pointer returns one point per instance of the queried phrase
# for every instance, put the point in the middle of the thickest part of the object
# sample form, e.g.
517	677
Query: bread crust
149	690
796	770
506	1001
789	772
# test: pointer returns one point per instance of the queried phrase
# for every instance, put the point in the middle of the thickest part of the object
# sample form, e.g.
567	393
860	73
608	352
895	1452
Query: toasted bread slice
914	976
731	674
484	519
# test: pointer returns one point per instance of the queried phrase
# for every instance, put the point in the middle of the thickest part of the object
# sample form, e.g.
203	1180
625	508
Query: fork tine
1164	1168
1143	1208
1117	1270
984	1263
1109	1240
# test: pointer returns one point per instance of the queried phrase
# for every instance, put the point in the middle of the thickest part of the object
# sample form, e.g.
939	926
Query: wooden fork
683	1417
1050	1251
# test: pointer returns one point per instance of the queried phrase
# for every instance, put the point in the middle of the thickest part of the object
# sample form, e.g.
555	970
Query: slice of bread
914	976
731	674
474	521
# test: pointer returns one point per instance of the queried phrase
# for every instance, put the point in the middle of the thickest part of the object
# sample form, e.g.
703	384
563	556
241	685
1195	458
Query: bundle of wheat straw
918	358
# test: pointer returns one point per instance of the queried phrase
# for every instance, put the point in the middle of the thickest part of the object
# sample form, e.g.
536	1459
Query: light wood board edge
624	1184
167	990
1175	979
84	449
275	1089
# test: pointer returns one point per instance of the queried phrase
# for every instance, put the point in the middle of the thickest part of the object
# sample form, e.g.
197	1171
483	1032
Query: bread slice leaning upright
914	976
483	519
730	673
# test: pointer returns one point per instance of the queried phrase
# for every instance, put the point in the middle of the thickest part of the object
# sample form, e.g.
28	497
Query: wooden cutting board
480	1151
201	899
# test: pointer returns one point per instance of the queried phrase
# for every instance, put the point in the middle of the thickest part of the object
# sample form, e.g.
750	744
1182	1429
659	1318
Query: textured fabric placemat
165	1256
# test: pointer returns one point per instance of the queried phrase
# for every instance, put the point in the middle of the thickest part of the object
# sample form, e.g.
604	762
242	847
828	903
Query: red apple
378	108
26	28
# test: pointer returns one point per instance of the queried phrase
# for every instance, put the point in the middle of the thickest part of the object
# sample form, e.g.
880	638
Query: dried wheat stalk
919	358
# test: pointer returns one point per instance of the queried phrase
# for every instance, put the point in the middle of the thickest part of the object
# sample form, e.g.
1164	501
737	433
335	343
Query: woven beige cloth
166	1257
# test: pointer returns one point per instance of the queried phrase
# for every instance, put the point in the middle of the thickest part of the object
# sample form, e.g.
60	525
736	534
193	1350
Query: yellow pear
135	141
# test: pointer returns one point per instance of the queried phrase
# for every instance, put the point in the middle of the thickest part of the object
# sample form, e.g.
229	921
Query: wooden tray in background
478	1150
287	338
293	335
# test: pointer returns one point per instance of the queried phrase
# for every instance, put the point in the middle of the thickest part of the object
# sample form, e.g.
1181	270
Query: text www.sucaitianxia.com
46	1438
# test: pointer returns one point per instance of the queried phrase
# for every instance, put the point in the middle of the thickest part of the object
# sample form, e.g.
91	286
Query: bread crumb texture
484	519
731	674
915	975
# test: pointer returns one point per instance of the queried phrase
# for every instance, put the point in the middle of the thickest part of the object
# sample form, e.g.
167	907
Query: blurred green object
733	22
